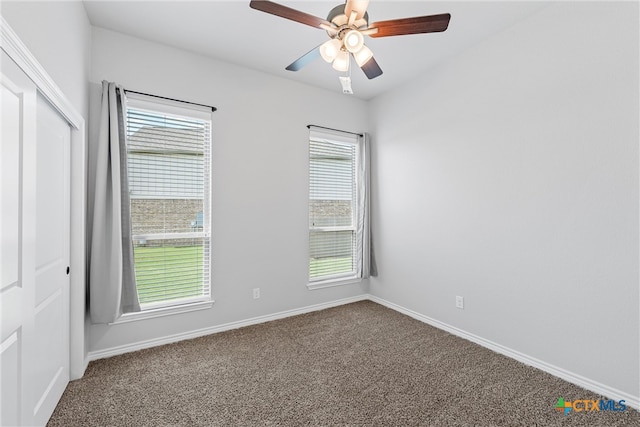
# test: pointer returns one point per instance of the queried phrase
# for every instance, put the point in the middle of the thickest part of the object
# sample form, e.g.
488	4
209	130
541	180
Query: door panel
10	287
51	359
17	94
34	230
52	201
51	325
9	179
10	386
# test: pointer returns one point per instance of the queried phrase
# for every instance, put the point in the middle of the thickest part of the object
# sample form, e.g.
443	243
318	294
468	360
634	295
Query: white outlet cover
459	302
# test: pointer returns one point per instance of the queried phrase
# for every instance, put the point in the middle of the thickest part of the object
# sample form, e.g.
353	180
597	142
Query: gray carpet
358	364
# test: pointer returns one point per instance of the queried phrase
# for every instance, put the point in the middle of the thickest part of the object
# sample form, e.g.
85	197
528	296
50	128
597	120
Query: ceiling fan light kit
341	63
330	49
362	56
346	25
353	41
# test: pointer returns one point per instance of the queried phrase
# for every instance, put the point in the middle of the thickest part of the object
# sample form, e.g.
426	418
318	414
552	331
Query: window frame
190	111
344	278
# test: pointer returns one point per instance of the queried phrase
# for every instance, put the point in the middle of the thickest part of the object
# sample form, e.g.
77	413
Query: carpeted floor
358	364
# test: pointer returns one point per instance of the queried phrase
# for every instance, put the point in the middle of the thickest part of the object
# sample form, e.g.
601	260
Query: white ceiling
233	32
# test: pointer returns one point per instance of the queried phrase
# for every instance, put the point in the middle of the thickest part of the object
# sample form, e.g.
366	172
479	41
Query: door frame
18	51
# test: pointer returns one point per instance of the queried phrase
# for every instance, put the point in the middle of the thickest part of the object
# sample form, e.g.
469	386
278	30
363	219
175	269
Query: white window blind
168	153
332	206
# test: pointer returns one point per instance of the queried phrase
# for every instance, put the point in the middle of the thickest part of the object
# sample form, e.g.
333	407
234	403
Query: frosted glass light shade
353	41
363	55
330	49
341	63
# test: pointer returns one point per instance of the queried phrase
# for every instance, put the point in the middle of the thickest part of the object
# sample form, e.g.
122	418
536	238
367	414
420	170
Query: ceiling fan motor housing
337	17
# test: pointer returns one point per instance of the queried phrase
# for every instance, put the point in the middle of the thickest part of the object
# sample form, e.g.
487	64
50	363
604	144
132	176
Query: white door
49	372
34	292
17	92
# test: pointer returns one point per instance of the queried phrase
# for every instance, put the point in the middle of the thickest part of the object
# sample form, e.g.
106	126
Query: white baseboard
579	380
114	351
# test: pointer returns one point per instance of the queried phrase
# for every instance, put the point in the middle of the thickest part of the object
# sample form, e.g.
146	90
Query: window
333	211
168	160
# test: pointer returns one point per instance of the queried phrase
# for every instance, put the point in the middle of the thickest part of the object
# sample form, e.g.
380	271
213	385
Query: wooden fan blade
287	12
305	59
371	69
417	25
360	6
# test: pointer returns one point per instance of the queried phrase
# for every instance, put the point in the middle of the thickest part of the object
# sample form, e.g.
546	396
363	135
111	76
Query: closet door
50	352
34	292
17	127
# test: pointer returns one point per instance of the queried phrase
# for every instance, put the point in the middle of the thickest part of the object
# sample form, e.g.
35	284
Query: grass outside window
169	272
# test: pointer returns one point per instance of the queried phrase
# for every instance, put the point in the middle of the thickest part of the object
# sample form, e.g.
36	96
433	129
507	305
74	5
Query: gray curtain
112	287
365	260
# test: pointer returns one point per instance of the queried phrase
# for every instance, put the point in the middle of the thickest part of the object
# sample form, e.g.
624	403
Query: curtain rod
172	99
337	130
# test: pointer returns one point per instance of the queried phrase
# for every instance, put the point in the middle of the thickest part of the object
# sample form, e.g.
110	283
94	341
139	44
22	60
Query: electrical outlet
459	302
256	293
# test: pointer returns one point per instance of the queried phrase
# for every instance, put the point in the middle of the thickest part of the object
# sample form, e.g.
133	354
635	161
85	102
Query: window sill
164	311
333	282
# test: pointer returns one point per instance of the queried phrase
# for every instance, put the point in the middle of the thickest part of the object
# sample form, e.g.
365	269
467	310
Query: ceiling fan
346	25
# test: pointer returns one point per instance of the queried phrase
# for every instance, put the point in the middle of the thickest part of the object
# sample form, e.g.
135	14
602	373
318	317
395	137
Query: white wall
260	179
509	176
58	34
